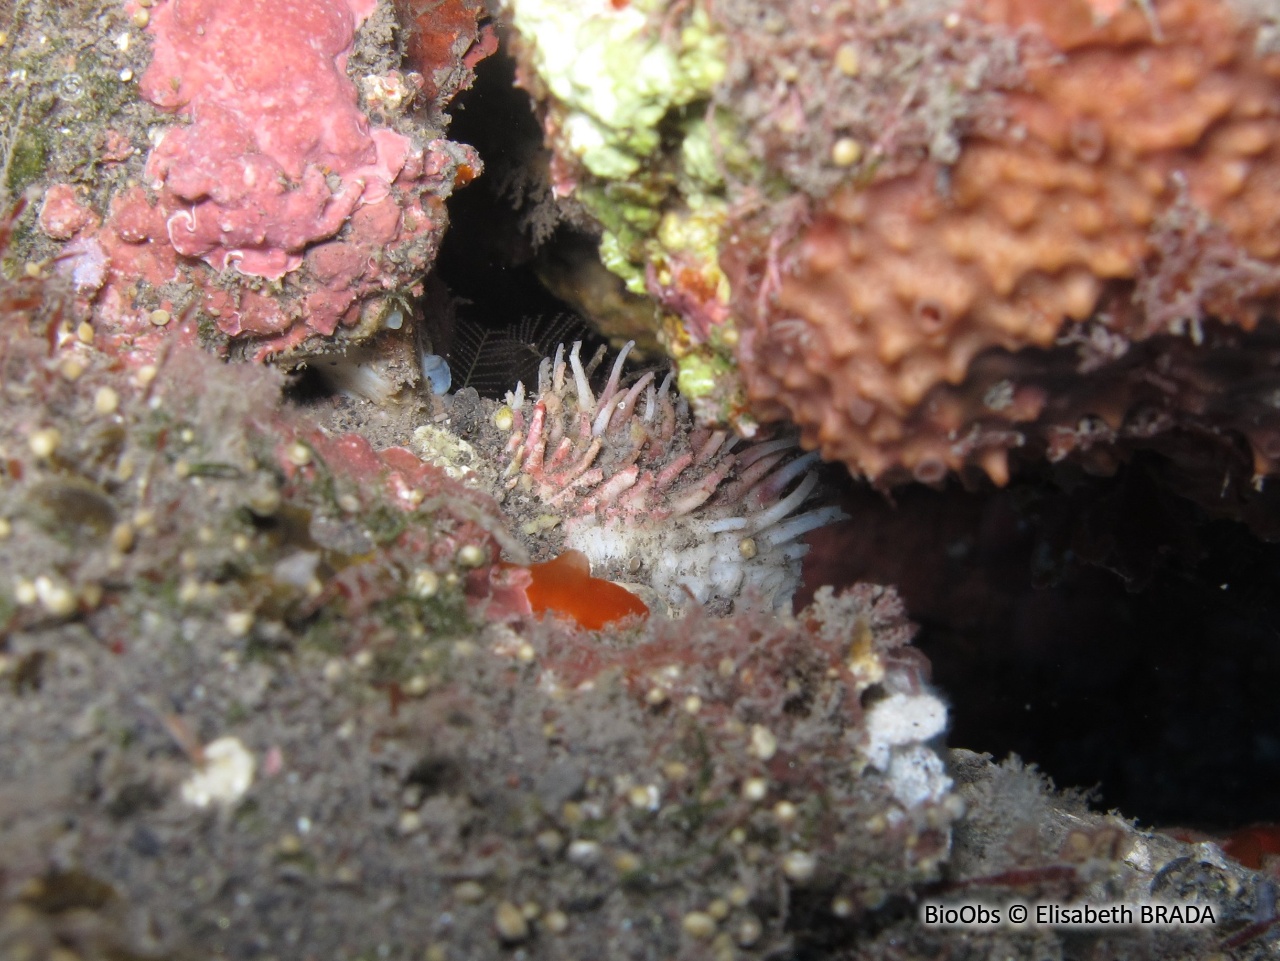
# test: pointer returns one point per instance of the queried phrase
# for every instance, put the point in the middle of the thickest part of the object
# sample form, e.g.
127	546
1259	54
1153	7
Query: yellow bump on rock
298	454
510	923
44	442
106	401
846	152
699	924
847	61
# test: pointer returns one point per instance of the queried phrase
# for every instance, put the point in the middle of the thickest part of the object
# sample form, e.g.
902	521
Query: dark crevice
1102	628
501	320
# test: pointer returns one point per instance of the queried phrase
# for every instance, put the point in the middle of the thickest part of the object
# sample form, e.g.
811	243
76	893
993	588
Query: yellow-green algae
627	93
615	76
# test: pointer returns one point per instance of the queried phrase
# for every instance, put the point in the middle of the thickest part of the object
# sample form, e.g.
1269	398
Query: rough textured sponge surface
1128	197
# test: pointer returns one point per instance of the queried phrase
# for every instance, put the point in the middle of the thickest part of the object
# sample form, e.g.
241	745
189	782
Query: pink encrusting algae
694	513
309	214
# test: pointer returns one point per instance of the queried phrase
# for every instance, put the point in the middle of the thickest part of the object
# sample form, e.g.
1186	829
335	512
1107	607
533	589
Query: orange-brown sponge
1096	265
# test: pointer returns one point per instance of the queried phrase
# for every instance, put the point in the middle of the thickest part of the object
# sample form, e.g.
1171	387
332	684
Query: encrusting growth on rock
1076	276
287	196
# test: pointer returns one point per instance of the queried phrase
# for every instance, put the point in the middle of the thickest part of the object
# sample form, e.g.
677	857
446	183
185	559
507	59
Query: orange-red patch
435	29
565	586
1254	845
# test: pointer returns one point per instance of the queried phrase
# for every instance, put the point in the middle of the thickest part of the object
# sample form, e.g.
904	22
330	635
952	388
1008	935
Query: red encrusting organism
1255	846
564	585
291	196
446	41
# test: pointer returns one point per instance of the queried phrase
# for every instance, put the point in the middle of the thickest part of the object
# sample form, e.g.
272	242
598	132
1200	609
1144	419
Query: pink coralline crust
63	215
499	594
114	147
441	515
278	173
103	265
248	179
407	481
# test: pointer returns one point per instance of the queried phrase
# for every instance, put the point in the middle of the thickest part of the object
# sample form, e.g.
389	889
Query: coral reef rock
551	790
298	192
1023	843
1086	274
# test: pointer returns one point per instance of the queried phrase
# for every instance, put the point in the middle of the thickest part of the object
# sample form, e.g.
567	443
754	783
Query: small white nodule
223	778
